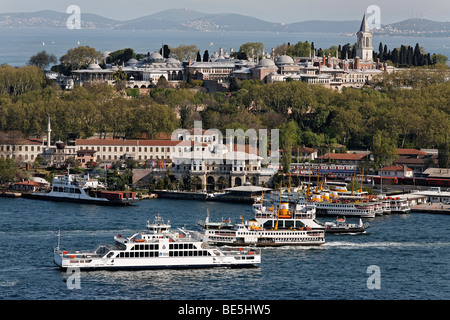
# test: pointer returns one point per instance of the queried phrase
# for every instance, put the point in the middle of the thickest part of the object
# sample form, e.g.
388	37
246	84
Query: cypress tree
206	56
395	56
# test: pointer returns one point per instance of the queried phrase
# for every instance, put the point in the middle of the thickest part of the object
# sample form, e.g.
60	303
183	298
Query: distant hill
190	20
417	27
52	19
322	26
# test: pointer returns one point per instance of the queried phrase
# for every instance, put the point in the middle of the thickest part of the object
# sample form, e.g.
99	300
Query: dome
265	62
132	61
285	59
156	55
93	66
60	144
172	60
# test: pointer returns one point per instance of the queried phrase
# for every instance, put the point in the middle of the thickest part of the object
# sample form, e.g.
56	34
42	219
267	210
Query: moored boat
341	227
157	247
82	189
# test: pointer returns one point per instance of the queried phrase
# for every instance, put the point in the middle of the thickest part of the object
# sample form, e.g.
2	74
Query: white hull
266	238
155	262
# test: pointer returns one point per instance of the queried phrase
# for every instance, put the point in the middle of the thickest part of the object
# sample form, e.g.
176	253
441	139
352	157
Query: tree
384	149
184	52
206	56
42	59
252	48
8	170
165	51
444	152
121	56
80	57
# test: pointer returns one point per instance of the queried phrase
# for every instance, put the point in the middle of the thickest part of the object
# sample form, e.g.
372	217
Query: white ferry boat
157	247
332	206
278	227
399	205
347	209
83	189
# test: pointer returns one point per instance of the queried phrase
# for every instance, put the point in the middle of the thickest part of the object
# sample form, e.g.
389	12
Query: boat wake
385	245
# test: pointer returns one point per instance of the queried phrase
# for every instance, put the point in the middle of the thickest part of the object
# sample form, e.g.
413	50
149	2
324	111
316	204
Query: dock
431	207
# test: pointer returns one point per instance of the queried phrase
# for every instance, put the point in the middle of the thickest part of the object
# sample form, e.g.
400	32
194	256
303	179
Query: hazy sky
270	10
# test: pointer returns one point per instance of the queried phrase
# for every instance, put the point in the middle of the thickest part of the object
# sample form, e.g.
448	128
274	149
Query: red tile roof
411	152
343	156
120	142
395	168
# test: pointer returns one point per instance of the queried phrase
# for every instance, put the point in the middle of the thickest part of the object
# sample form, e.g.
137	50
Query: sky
287	11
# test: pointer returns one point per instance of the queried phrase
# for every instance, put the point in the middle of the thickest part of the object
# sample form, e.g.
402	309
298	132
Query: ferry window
55	189
77	191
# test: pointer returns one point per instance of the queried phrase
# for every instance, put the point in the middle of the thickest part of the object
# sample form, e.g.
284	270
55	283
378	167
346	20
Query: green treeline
409	109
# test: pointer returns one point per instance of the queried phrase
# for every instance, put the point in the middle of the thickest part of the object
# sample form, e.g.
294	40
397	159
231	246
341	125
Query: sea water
410	254
17	45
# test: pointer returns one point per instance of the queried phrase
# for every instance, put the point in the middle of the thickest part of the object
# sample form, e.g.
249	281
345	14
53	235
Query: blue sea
18	45
410	253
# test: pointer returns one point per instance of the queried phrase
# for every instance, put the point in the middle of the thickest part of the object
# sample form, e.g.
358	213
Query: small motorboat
340	226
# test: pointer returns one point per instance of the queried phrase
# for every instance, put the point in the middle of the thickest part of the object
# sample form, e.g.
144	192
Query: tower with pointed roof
364	49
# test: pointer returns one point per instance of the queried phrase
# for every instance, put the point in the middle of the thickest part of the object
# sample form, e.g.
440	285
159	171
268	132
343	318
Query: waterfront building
345	158
110	150
19	149
396	171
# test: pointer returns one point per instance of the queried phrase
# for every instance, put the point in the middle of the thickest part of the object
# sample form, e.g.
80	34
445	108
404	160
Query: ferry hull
154	263
100	201
268	244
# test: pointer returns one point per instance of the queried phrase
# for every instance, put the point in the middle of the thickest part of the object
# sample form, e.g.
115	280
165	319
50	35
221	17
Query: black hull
84	201
345	230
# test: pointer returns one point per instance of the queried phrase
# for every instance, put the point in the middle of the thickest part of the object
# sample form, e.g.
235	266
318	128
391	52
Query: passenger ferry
332	206
277	227
399	205
83	189
157	247
347	208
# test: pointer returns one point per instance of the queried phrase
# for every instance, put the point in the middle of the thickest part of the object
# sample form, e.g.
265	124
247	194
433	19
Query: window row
142	254
181	246
193	253
146	247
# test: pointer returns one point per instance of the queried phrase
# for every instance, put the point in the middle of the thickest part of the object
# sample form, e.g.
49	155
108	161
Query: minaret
49	131
364	49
